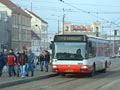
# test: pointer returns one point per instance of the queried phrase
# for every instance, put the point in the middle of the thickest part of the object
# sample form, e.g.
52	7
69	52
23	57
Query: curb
22	81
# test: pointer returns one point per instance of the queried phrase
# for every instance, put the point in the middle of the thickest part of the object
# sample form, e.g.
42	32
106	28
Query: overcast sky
109	10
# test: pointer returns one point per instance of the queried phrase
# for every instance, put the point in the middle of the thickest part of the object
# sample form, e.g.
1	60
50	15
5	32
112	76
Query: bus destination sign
69	38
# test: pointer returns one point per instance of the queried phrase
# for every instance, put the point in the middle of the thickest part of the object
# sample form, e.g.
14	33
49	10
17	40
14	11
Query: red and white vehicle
79	54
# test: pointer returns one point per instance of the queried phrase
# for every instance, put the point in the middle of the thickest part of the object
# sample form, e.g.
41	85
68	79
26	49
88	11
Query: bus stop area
6	81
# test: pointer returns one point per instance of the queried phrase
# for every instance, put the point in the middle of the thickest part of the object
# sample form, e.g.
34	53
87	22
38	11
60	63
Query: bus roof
98	38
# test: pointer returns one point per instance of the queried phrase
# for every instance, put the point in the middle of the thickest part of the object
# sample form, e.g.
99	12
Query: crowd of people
20	64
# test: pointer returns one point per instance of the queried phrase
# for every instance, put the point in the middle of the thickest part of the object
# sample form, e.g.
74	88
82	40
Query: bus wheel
93	72
63	74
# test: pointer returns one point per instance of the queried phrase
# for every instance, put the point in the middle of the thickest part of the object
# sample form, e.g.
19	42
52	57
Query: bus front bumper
72	68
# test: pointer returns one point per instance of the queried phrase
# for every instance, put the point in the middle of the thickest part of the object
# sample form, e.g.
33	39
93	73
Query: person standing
17	64
41	60
26	65
11	62
31	58
47	60
22	60
2	62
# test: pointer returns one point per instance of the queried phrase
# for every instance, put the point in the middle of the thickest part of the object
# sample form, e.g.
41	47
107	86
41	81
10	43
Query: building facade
93	29
4	32
19	24
40	27
35	43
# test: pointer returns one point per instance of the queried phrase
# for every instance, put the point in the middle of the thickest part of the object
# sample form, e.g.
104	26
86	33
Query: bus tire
93	72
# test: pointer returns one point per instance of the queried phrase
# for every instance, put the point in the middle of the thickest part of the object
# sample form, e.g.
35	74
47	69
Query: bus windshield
70	51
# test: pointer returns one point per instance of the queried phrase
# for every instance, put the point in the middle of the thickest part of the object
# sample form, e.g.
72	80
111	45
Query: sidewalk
6	81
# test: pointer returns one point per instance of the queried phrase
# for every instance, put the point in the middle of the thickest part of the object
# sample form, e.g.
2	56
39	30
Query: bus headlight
54	66
84	67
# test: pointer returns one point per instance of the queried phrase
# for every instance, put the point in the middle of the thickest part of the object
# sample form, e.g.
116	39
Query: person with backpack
41	61
11	60
23	59
2	62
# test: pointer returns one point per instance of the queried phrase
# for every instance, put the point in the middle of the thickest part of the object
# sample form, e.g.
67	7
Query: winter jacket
2	61
11	59
47	58
31	58
41	58
22	59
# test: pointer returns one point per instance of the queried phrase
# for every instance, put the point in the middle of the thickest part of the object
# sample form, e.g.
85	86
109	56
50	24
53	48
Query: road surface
101	81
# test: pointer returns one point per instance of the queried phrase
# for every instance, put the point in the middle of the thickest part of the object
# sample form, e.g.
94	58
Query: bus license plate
69	70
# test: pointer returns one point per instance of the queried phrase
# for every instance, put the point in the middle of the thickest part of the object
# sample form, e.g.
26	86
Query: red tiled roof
14	7
33	34
37	16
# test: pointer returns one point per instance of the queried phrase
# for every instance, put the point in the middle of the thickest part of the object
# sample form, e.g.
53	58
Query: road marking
110	84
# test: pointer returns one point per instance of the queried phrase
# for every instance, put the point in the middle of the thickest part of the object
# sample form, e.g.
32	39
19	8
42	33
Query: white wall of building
5	8
41	29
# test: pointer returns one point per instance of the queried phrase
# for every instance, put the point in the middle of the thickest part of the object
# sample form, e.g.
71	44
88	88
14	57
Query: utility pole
58	25
114	44
40	35
97	32
63	20
31	6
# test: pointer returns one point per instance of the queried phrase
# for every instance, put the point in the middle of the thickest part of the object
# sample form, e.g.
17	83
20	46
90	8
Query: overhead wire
87	12
84	4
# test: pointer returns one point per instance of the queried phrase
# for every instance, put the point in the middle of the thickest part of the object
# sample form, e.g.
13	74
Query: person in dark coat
2	62
47	60
23	59
41	60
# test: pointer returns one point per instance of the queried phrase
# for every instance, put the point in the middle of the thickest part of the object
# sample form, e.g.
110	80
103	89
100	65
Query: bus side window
106	50
91	49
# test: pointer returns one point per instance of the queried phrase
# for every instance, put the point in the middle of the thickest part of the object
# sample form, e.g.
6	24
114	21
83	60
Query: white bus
79	54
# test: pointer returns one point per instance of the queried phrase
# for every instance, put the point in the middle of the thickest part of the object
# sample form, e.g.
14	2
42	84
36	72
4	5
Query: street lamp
64	16
63	19
40	34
